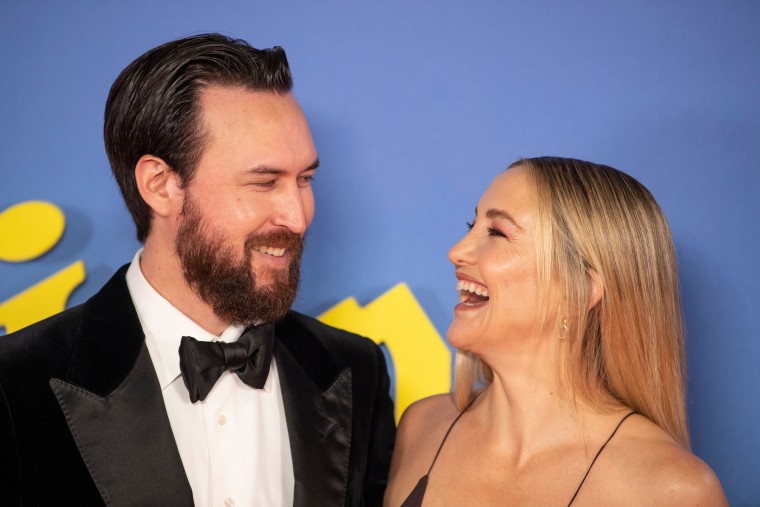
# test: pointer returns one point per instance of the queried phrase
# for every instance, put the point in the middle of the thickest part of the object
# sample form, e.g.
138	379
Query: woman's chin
460	335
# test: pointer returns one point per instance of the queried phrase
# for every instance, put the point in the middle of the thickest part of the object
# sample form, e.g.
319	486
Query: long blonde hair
596	221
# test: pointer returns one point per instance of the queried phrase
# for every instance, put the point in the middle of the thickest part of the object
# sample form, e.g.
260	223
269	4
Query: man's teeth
473	288
277	252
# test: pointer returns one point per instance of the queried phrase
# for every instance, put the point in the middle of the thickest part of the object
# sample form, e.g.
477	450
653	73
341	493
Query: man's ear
596	287
158	185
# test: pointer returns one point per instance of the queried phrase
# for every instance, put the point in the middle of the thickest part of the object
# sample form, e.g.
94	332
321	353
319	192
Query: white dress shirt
234	444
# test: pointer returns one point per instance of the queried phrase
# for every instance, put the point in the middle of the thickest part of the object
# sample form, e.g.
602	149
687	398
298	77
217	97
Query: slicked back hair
153	107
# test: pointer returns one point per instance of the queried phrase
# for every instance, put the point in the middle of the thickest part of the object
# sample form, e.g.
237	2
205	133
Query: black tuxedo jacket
82	418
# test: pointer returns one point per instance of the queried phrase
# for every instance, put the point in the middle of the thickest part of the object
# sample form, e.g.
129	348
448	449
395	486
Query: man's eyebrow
313	165
500	214
265	169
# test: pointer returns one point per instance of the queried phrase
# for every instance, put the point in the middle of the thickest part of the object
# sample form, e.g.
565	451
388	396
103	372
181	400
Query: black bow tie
202	363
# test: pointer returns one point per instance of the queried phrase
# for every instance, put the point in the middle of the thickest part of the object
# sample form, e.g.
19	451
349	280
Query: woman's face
496	268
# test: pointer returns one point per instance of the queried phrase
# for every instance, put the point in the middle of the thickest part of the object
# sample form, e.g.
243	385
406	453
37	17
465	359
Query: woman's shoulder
427	413
648	464
420	433
424	424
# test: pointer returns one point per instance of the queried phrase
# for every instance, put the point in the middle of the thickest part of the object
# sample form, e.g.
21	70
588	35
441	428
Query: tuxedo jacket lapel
318	408
126	441
113	405
111	399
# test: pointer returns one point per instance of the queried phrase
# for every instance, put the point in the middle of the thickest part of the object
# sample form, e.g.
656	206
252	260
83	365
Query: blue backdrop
414	107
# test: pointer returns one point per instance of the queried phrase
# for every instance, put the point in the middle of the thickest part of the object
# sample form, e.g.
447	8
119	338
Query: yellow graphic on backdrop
42	300
27	231
421	360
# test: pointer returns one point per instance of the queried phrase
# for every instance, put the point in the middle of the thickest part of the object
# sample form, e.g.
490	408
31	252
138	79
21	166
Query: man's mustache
290	241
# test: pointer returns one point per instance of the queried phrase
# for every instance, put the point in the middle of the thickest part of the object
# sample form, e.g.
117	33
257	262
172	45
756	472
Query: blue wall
415	106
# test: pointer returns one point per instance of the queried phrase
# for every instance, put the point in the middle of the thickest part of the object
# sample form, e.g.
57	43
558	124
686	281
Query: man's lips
269	250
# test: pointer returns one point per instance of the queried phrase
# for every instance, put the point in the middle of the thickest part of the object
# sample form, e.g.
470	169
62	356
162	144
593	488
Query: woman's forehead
511	190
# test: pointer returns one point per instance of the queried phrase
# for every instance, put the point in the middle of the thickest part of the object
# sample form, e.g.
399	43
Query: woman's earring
563	328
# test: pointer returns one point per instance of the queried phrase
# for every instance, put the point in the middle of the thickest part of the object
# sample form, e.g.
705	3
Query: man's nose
292	212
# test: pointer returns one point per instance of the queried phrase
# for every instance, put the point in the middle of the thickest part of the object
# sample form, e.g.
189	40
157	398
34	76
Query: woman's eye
470	225
496	232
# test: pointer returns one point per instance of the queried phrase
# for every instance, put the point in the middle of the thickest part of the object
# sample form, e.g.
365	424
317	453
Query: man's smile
269	250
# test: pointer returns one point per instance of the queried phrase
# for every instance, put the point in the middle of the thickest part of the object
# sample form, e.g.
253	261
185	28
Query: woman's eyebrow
494	213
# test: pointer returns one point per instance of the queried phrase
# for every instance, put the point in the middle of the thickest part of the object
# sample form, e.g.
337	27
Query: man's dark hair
153	106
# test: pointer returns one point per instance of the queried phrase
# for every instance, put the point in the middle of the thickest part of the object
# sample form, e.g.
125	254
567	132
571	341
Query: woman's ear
596	287
158	185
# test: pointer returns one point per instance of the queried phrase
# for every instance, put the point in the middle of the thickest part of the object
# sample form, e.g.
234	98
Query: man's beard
226	282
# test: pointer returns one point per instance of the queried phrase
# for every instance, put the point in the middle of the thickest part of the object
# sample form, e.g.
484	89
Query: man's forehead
255	130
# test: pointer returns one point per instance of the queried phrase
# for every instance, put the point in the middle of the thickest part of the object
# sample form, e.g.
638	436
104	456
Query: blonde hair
596	221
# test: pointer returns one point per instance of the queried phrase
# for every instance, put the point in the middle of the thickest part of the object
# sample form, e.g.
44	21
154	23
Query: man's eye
263	184
307	180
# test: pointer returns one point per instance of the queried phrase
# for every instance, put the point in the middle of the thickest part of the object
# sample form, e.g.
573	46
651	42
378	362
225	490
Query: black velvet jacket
82	419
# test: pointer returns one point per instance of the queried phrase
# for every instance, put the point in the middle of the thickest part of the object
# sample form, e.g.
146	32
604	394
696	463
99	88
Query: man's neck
161	268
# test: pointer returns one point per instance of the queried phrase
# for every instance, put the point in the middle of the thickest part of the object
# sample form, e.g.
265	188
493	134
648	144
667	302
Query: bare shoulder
679	478
420	433
424	424
648	465
428	413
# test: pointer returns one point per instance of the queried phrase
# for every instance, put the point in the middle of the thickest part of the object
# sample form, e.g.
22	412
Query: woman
569	374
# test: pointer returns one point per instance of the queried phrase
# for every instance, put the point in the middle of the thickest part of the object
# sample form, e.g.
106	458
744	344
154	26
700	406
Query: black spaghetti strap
445	437
415	497
629	414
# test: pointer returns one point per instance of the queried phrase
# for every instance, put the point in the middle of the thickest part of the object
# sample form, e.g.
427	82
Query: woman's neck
536	410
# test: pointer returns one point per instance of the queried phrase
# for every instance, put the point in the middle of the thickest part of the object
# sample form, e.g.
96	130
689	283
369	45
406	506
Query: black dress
418	493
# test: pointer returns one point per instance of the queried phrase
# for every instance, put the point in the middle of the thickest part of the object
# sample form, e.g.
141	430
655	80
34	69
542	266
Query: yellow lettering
42	300
29	229
421	360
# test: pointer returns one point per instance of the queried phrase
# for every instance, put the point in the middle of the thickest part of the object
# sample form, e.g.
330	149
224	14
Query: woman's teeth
472	288
277	252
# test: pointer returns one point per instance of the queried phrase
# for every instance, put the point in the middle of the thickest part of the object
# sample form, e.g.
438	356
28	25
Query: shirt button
228	502
221	421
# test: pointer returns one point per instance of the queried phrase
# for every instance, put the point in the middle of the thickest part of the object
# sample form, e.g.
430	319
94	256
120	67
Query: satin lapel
114	409
126	441
319	428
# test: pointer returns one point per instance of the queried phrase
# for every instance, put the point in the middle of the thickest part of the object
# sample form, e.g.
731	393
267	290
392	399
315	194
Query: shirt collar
164	326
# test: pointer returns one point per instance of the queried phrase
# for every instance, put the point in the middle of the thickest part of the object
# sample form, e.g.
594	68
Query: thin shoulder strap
629	414
444	441
449	431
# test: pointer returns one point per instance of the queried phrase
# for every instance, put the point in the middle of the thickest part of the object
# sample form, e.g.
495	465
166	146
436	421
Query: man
214	159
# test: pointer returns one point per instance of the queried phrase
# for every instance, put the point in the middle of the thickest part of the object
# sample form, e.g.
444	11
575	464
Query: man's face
240	234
